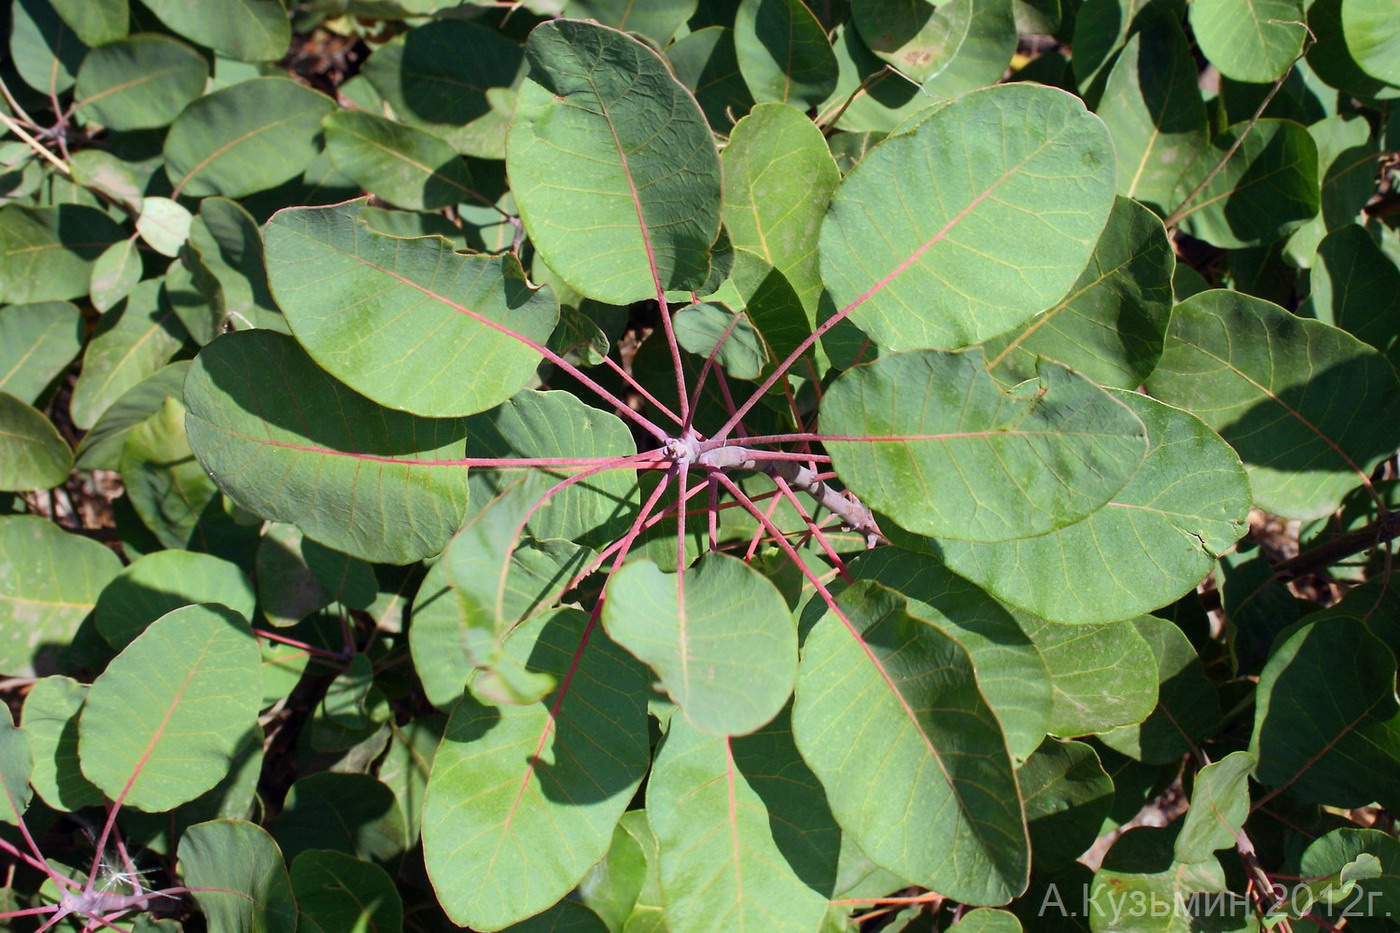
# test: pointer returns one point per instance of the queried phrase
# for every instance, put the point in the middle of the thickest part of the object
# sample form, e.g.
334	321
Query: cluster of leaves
746	464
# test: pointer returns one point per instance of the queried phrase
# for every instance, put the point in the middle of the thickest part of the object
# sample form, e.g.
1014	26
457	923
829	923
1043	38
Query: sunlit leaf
783	52
1249	40
239	877
249	30
138	83
162	722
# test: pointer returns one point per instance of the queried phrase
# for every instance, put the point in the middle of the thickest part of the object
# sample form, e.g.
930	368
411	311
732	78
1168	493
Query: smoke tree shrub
699	466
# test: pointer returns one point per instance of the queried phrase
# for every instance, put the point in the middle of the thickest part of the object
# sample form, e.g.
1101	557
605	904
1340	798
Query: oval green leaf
889	717
1249	40
33	455
238	877
928	438
621	207
162	723
719	636
248	30
965	227
404	165
412	324
783	53
386	486
139	83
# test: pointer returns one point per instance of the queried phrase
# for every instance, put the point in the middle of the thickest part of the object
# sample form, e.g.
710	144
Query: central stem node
683	449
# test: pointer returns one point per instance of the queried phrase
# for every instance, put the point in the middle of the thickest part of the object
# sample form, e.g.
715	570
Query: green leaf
1219	806
101	447
1103	676
1309	408
1153	542
166	485
1346	153
47	253
37	342
612	887
708	329
1249	40
424	75
1188	704
161	724
33	455
1112	324
564	917
244	138
259	410
1003	210
1332	57
719	636
407	765
746	839
917	37
706	63
225	256
43	49
248	30
336	892
115	274
1153	109
1373	37
1067	795
164	225
139	83
110	176
1341	858
778	180
928	438
95	21
405	166
889	717
131	343
658	20
498	580
239	879
49	581
15	768
1326	727
350	813
50	718
1267	189
618	205
164	581
783	53
1010	672
985	920
1141	889
406	322
1355	286
509	783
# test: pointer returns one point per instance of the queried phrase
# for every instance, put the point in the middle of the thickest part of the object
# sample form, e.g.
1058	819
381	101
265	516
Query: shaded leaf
1067	795
409	494
658	20
1309	408
248	30
915	36
15	768
336	892
1188	704
239	877
1112	323
37	342
137	83
33	455
241	139
744	834
1268	187
885	694
706	63
115	274
49	581
164	581
50	719
350	813
783	52
508	783
167	486
1103	676
101	447
47	253
1356	287
131	343
1219	805
403	165
95	21
618	206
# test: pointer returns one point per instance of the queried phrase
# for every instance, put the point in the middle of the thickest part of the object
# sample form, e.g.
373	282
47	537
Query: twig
1384	529
34	144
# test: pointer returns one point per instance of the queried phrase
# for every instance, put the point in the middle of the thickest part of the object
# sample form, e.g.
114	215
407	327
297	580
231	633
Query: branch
1340	548
852	511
